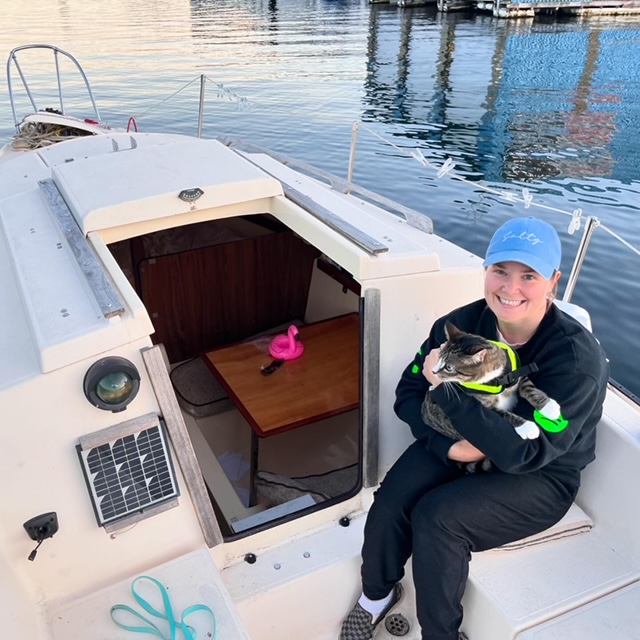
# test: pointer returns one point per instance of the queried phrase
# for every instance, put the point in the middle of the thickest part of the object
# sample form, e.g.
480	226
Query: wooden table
323	382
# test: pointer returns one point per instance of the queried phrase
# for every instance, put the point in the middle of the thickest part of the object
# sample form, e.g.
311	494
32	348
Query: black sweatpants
434	511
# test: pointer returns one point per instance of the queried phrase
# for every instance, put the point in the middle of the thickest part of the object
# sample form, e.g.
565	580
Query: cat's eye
448	368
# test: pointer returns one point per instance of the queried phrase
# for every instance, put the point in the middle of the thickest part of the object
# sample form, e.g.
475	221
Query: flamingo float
287	347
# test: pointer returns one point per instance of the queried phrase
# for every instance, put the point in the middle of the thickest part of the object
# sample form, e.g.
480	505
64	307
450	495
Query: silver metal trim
370	393
590	226
344	228
97	276
339	184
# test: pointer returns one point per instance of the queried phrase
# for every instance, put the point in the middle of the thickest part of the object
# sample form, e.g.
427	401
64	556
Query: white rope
41	134
446	169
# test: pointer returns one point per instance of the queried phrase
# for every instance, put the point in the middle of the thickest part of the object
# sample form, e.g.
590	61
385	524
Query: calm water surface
551	106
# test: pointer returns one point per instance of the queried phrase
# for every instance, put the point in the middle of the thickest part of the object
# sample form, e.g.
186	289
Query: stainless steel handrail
591	225
56	51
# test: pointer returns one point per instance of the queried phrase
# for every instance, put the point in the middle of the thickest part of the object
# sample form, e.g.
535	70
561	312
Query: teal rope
188	632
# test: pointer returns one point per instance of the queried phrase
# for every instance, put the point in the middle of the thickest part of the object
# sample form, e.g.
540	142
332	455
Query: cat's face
466	357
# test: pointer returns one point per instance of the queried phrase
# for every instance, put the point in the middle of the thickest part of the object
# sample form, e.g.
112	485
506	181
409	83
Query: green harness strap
552	426
188	632
499	387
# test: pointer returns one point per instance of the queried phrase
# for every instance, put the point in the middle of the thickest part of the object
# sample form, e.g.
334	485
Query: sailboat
167	470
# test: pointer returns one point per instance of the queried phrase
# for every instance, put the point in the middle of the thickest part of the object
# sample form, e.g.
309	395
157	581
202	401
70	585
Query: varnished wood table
323	382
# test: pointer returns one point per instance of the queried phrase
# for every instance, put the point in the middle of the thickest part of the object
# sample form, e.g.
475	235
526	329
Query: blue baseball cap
529	241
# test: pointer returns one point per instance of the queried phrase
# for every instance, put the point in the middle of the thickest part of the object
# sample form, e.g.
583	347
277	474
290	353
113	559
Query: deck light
111	383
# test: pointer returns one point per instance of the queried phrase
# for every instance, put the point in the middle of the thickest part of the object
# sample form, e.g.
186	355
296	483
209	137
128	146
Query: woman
426	506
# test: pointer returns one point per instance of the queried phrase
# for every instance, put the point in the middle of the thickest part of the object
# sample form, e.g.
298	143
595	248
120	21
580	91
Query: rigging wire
527	199
35	135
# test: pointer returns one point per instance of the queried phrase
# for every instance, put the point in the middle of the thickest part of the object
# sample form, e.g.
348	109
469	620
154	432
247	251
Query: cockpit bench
572	588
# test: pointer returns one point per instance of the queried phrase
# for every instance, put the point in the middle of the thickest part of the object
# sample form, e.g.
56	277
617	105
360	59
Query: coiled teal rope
188	632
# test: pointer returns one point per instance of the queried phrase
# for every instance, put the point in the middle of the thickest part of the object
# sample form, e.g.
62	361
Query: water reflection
517	101
553	106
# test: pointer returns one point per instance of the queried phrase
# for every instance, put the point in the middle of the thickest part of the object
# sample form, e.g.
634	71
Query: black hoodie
572	370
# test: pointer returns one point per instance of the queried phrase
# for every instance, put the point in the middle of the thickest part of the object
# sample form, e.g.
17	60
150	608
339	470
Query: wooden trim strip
182	445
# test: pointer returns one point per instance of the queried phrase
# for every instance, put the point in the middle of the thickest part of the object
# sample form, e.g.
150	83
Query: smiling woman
523	261
428	505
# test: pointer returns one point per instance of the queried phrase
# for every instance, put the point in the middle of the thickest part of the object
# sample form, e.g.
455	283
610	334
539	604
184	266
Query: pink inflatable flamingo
287	347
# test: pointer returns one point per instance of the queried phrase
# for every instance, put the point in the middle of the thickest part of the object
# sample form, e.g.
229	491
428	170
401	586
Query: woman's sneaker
360	625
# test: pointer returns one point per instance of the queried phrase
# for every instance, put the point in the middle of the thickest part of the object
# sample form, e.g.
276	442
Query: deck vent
129	472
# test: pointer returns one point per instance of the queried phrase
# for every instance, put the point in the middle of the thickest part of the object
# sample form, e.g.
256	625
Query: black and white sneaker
359	624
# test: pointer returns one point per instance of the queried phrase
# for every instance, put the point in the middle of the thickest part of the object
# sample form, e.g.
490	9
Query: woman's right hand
464	451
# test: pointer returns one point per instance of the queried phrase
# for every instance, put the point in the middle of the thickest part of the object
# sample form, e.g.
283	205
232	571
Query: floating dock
515	9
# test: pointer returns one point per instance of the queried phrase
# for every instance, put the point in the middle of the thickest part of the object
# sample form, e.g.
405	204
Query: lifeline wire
527	198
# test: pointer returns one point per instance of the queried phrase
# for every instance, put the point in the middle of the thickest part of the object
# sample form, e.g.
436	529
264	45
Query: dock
528	8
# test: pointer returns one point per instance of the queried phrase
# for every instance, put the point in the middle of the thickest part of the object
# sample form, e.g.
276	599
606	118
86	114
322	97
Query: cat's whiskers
451	389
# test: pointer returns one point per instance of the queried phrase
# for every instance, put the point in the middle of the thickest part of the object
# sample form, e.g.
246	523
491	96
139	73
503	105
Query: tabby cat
468	358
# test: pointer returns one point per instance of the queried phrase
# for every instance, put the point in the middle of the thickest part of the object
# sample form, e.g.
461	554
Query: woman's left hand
429	364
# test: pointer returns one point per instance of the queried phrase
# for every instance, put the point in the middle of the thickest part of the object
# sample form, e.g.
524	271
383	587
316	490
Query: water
553	106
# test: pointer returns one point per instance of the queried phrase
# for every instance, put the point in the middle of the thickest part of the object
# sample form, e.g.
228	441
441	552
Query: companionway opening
217	286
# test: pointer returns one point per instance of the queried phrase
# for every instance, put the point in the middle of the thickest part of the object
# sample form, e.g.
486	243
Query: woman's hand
464	451
429	363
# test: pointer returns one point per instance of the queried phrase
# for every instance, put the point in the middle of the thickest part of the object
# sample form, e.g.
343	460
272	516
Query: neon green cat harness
508	379
497	385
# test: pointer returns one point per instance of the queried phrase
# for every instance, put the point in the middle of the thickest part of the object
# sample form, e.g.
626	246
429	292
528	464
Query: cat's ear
479	356
451	330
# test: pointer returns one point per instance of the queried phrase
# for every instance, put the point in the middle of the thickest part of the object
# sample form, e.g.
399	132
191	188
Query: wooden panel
324	381
216	295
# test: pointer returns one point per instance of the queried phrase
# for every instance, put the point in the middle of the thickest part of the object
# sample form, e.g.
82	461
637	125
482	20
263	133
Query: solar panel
128	468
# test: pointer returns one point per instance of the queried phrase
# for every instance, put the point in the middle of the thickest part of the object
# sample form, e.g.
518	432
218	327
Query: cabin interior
220	282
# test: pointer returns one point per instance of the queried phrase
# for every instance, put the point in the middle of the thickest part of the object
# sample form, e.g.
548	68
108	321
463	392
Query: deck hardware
277	566
190	195
250	558
111	383
397	625
306	554
40	528
344	521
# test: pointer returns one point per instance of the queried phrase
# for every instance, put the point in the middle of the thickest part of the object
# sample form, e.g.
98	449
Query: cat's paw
551	410
528	431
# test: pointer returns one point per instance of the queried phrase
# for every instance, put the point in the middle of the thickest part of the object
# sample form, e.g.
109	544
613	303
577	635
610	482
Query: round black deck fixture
111	383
